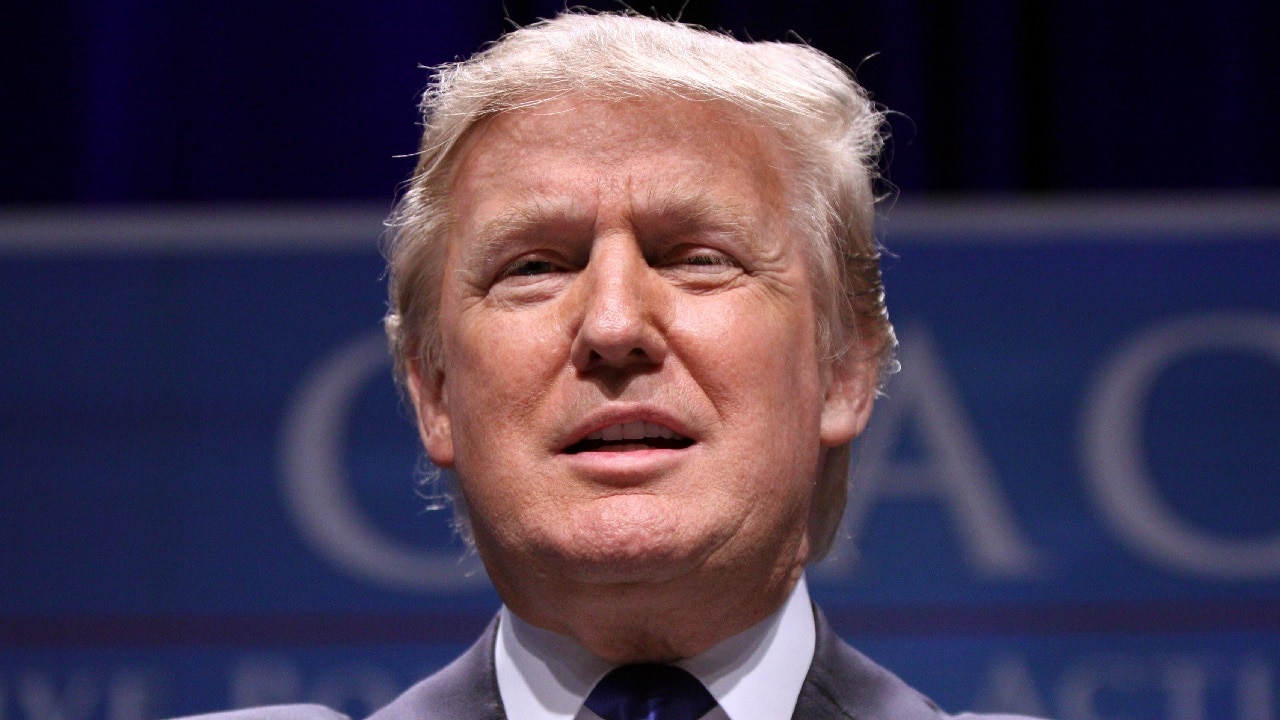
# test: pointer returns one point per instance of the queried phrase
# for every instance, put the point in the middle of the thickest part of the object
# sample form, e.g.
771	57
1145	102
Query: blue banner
1067	502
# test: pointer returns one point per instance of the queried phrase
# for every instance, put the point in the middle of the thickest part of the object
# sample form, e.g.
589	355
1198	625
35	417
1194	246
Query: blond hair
823	118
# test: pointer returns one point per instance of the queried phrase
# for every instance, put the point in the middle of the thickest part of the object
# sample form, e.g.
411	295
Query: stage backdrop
1066	505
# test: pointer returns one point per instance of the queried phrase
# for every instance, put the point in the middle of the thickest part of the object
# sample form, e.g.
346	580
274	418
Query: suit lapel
843	684
466	689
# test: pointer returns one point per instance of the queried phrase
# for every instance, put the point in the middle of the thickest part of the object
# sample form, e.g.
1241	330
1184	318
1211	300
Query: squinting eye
706	259
527	268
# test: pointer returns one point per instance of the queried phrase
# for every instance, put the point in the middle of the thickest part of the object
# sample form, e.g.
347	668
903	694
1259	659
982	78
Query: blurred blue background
1068	504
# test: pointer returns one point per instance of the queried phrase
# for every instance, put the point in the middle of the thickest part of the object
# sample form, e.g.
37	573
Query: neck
646	622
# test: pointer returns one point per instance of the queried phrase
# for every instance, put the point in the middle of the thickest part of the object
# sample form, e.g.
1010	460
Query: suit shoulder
273	712
466	689
843	683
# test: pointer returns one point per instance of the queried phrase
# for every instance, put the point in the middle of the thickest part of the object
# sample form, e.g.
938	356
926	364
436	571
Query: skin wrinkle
635	565
777	165
678	212
815	109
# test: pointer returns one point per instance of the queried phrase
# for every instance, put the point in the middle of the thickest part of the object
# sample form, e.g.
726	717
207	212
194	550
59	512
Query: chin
633	539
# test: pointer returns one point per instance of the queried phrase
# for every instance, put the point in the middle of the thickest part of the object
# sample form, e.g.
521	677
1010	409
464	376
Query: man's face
631	388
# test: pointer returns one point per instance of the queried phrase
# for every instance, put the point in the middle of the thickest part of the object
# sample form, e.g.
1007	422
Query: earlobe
430	405
851	393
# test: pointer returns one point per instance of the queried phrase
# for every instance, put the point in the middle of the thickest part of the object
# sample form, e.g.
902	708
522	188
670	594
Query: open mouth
628	437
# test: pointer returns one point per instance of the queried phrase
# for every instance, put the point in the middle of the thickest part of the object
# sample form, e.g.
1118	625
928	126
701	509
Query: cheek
504	352
499	371
760	357
759	369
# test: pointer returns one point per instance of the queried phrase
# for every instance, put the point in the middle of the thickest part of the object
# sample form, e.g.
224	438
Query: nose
619	310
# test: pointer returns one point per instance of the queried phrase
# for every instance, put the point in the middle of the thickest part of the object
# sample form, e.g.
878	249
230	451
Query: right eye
528	267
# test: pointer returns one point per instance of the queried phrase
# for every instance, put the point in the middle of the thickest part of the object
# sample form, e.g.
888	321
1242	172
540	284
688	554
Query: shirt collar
754	675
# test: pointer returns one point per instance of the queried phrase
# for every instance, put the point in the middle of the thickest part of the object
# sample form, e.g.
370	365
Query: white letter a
951	469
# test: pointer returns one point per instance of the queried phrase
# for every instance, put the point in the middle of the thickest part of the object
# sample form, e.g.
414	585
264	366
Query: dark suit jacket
842	684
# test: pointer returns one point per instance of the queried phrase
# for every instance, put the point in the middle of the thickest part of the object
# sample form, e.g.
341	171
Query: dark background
125	101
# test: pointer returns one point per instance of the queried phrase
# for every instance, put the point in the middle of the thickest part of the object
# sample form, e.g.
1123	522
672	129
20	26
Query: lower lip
627	466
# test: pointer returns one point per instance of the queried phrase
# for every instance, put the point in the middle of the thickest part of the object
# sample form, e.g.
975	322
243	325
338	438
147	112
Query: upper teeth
637	430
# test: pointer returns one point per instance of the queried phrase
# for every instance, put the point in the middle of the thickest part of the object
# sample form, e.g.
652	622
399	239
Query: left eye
703	260
707	260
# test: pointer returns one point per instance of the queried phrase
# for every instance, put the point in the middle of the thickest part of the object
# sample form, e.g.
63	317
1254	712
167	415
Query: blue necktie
649	692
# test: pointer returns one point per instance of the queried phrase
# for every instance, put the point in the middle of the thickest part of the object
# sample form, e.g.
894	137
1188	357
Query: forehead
569	156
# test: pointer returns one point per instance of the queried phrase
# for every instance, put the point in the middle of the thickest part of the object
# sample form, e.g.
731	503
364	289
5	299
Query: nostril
633	345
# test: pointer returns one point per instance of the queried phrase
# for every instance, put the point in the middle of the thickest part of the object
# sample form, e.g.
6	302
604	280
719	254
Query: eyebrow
678	210
684	209
524	218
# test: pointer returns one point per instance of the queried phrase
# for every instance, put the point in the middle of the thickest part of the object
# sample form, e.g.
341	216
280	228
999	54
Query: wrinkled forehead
675	159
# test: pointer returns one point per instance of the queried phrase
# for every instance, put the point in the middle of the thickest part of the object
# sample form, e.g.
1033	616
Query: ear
851	393
431	406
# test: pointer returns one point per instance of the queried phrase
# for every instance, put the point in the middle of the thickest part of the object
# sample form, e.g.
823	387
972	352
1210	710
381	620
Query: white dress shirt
754	675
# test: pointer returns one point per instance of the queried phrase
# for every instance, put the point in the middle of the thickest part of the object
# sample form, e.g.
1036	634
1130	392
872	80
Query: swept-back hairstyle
821	117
